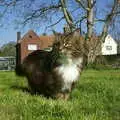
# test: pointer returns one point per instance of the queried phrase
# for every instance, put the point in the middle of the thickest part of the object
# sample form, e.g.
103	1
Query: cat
54	73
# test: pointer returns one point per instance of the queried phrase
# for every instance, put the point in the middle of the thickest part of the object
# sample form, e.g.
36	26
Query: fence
7	63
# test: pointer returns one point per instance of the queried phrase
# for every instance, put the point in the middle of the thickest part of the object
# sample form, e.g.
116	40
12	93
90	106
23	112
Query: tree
8	49
80	14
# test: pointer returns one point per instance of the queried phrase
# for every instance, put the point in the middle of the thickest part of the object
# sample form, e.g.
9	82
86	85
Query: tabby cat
55	73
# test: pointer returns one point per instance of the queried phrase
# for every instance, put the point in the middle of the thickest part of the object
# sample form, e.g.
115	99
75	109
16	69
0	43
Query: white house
110	46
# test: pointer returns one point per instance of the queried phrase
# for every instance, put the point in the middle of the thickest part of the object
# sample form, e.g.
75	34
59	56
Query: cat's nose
61	48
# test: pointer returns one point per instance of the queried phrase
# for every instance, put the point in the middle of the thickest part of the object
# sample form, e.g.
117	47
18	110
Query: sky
8	31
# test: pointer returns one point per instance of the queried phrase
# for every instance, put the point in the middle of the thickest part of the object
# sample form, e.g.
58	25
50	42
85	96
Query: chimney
18	36
18	49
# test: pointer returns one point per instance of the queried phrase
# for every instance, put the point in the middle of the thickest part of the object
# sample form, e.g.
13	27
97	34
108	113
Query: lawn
96	97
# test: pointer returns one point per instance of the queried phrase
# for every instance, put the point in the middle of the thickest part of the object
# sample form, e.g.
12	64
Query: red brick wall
32	38
24	47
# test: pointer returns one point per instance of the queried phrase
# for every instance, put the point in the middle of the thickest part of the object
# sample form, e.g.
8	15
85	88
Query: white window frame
32	47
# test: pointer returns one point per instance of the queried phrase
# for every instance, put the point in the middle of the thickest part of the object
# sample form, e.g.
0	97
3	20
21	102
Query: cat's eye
64	44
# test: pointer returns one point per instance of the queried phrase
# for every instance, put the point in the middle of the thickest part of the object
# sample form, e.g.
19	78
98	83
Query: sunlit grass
96	97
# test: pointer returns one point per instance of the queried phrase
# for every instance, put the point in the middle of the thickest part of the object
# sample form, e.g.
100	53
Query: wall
24	46
109	47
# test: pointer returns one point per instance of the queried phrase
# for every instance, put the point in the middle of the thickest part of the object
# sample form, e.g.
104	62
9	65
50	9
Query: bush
105	62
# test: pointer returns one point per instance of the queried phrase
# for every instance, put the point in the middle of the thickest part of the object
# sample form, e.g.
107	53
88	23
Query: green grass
96	97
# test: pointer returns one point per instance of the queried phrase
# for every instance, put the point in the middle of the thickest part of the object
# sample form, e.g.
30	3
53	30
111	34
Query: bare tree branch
80	23
6	5
39	12
90	18
108	20
55	23
80	3
67	15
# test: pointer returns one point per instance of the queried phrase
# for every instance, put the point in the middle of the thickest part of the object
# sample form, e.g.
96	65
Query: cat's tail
19	70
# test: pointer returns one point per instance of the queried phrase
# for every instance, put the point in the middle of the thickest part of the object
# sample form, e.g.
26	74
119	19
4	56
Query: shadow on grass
24	89
27	90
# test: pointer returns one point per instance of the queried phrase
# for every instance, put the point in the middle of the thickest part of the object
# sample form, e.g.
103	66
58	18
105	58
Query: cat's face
63	44
69	44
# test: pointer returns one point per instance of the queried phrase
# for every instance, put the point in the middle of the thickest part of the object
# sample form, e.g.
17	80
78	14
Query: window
108	47
32	47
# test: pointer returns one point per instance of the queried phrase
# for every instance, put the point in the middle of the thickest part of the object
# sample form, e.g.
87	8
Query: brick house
30	42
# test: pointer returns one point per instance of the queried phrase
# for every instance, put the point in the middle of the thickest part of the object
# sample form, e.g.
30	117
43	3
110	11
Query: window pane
108	47
32	47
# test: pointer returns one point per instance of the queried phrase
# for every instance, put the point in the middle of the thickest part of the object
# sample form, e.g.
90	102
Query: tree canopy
91	17
8	49
88	15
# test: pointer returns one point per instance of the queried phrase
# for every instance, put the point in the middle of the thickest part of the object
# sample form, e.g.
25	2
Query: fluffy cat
55	73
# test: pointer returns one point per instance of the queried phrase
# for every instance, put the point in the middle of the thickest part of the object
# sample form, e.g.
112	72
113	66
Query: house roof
110	37
46	40
28	36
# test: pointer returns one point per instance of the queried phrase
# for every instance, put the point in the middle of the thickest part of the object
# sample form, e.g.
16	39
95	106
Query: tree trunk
90	18
67	15
90	23
108	20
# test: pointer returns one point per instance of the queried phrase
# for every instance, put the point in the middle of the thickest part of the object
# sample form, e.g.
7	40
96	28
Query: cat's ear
57	36
55	33
76	33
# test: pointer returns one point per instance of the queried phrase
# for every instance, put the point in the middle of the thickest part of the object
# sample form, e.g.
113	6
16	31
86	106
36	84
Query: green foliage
8	49
96	97
105	62
98	66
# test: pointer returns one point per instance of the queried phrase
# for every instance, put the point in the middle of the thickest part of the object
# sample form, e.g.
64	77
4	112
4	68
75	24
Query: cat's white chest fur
70	72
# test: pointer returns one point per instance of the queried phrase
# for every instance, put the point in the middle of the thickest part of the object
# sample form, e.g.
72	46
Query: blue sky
8	31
